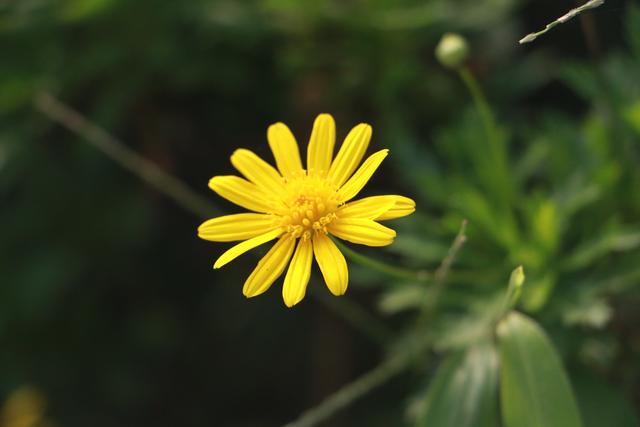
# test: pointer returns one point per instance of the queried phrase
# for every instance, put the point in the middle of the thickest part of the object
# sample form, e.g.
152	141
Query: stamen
311	202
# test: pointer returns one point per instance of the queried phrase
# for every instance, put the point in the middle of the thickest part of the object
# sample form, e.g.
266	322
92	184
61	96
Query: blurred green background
109	306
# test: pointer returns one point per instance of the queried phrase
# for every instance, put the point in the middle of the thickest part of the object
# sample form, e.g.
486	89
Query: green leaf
537	292
78	10
592	312
534	389
545	224
581	78
632	116
464	390
406	297
613	239
460	331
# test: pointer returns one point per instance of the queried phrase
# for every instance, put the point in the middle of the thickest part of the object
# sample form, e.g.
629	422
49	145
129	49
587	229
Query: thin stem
482	105
443	269
494	166
592	4
441	274
124	156
390	270
361	386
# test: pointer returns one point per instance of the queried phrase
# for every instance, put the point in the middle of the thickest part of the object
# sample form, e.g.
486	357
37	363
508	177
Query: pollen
311	204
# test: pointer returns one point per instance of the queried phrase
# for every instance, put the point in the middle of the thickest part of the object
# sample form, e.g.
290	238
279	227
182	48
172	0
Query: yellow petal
362	231
270	267
332	264
243	247
242	226
242	193
403	206
297	278
320	150
285	150
257	171
350	154
359	179
368	208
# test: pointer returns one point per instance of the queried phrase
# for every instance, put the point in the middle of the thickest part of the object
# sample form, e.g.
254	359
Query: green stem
494	164
145	169
361	386
440	276
482	105
390	270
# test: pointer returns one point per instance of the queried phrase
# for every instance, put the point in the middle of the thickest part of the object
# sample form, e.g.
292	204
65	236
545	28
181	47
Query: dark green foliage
108	304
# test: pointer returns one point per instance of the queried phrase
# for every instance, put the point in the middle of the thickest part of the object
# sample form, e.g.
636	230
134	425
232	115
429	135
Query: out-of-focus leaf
614	240
581	78
420	249
15	91
601	404
461	331
480	212
599	351
402	298
77	10
575	195
537	292
545	225
591	312
627	280
534	388
632	116
464	390
535	155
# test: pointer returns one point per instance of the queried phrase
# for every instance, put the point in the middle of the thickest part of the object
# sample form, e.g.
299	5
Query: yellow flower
302	207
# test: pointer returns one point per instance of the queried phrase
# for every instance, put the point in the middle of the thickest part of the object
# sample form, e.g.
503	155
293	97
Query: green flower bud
452	50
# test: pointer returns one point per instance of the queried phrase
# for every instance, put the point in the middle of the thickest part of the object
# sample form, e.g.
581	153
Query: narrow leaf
534	389
464	390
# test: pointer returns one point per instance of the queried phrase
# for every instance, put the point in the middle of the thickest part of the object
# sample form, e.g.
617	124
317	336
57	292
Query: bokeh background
110	312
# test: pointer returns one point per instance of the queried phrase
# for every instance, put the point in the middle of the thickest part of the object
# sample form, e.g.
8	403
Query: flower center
311	204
